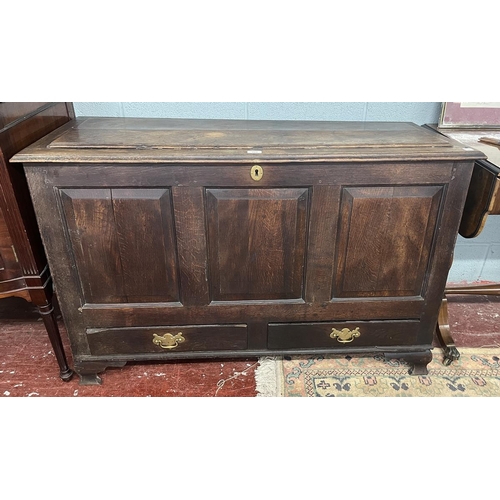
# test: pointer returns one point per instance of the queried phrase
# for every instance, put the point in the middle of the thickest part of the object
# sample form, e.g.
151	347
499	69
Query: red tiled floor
28	366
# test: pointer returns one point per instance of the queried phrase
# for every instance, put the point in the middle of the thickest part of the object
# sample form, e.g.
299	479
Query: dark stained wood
483	199
232	311
140	340
257	243
91	226
189	215
322	242
317	335
114	264
23	265
9	265
148	254
143	140
381	230
351	226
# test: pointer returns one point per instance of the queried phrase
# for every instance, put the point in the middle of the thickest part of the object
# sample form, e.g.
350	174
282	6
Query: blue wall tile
417	112
335	111
97	108
222	110
491	269
468	262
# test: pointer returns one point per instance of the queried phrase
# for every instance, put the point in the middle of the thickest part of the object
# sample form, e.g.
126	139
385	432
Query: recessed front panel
123	244
257	243
385	239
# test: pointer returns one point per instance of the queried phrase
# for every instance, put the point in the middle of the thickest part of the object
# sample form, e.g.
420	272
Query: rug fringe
269	377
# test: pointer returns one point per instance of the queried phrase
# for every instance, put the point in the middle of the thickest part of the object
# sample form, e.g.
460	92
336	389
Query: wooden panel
140	340
257	240
9	267
480	201
145	231
123	244
287	175
385	238
221	141
321	246
93	237
13	111
317	335
189	214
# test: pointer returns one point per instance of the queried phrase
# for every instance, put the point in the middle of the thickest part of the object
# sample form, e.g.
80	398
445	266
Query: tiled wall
418	112
475	259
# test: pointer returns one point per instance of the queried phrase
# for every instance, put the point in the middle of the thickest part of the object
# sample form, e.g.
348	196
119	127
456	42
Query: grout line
365	112
484	263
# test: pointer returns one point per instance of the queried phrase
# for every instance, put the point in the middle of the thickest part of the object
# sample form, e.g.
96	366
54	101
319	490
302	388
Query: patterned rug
475	374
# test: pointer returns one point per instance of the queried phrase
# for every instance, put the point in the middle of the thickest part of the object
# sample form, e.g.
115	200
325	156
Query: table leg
444	335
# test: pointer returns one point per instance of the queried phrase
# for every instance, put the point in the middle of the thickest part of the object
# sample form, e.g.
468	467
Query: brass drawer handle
168	341
345	335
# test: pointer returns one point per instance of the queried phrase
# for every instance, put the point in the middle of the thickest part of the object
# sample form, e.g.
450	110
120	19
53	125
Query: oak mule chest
175	239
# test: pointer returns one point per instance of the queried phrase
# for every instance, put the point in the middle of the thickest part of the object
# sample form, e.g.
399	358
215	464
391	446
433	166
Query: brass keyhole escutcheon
256	172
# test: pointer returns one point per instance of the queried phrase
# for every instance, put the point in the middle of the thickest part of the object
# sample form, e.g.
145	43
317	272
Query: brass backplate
256	172
345	335
168	341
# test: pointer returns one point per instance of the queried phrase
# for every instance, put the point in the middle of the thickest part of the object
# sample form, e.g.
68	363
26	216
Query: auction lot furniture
23	266
483	199
183	239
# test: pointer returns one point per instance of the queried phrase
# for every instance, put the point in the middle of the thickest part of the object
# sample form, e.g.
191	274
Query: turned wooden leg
50	322
419	359
443	335
88	370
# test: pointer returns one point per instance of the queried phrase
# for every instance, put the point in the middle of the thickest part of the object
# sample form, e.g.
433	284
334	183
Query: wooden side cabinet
24	271
184	239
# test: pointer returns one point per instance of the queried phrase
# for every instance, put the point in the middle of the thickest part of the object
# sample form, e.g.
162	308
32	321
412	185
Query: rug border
269	380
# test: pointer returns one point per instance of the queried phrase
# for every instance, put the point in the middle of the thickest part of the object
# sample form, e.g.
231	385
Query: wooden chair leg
50	322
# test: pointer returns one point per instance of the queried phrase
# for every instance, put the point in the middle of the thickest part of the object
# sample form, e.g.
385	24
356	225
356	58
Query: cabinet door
385	237
123	244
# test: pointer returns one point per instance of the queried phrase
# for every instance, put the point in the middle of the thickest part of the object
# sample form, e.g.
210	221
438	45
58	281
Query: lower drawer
345	334
159	340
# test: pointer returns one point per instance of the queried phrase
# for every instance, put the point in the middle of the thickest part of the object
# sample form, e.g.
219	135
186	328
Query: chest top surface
154	140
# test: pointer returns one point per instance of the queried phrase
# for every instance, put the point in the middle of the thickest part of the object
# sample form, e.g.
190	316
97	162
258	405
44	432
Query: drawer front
341	335
161	340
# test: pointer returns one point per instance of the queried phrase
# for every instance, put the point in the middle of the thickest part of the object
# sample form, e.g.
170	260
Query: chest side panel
123	244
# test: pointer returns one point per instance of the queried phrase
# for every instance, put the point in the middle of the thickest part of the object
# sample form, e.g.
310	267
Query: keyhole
256	172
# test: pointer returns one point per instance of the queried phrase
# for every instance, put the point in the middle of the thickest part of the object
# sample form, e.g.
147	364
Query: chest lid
154	140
